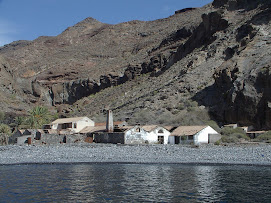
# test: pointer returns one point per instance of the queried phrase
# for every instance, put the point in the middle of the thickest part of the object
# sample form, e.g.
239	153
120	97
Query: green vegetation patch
230	135
266	137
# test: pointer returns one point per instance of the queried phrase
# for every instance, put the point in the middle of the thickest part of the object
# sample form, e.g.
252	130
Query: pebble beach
256	154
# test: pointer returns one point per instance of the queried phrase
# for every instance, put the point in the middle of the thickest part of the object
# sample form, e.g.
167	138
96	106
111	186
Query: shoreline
137	163
249	155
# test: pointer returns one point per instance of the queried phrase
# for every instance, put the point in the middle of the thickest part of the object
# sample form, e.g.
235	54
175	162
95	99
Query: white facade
75	125
200	137
203	136
139	135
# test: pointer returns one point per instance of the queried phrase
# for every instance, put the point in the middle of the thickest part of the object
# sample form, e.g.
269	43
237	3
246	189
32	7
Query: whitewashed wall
132	136
135	135
199	138
84	122
202	136
153	135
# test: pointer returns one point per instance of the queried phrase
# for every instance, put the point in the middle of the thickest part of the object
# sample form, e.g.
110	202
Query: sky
29	19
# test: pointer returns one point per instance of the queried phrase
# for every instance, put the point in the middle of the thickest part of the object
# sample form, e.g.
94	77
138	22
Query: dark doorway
177	140
65	139
161	139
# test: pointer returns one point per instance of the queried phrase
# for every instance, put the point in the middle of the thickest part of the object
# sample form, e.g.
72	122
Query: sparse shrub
2	116
175	112
230	135
230	131
266	137
5	129
165	118
143	117
190	108
181	106
229	139
190	103
240	136
218	142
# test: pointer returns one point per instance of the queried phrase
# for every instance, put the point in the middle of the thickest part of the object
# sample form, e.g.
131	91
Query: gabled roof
187	130
21	131
126	128
169	128
149	128
68	120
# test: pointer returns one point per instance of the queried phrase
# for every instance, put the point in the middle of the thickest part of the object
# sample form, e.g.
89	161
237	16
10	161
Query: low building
148	134
254	134
19	133
194	135
73	125
25	136
156	134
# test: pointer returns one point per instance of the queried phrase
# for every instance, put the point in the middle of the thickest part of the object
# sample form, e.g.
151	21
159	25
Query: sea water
134	183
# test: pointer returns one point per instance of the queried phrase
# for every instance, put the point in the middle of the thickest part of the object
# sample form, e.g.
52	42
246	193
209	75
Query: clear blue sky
29	19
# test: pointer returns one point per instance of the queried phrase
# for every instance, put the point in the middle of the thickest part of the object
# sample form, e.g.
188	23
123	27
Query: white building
194	135
149	134
73	125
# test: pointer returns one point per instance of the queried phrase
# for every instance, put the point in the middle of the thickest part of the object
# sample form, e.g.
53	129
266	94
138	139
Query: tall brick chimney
109	122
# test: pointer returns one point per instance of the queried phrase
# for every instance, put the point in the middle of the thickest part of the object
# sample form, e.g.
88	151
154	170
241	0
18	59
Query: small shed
254	134
25	139
194	135
18	133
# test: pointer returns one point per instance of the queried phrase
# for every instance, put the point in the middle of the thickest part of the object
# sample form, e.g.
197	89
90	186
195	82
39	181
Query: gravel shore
99	153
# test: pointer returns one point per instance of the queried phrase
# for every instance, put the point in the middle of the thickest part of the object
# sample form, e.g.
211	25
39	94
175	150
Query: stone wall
105	137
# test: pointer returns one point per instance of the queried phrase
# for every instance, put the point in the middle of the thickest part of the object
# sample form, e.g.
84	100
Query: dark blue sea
134	183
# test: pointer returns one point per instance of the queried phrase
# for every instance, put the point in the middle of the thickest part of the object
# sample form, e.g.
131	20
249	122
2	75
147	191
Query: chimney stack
109	122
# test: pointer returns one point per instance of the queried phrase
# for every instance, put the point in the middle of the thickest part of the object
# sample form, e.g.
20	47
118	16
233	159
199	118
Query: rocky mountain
198	64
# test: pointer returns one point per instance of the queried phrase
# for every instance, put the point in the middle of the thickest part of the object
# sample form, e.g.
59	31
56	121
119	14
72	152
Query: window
161	131
190	137
65	125
74	125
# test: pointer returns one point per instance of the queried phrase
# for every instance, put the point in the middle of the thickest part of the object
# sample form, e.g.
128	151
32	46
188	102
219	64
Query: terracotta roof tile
187	130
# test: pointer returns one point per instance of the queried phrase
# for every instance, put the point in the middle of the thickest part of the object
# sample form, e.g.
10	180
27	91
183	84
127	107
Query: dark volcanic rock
239	4
202	36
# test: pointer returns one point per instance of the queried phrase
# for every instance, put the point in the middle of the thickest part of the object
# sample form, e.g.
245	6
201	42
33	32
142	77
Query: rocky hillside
198	64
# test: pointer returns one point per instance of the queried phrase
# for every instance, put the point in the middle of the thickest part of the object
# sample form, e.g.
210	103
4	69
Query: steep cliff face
218	55
241	90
